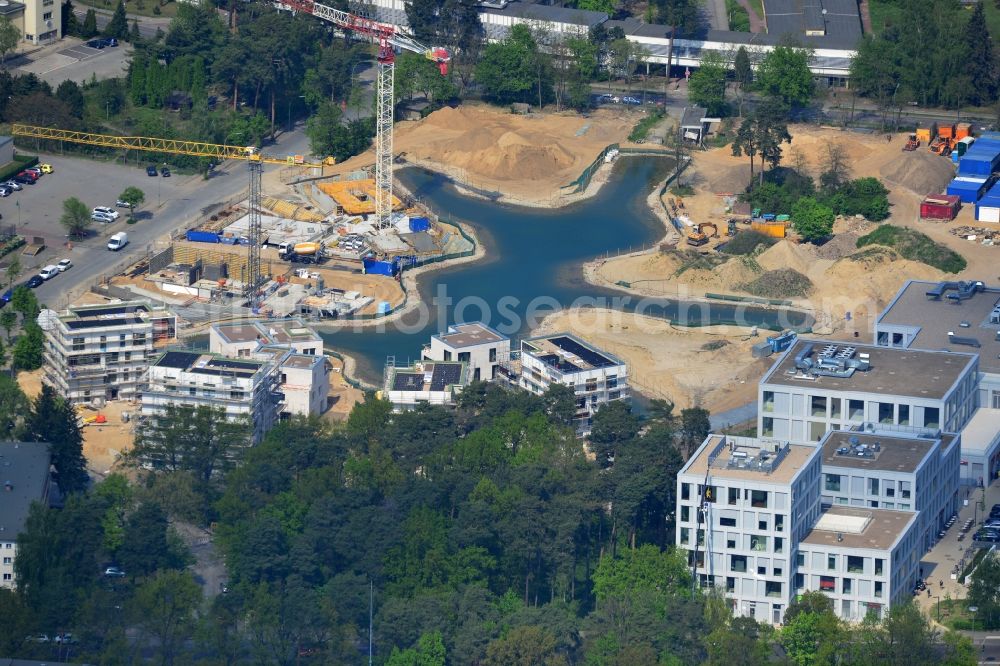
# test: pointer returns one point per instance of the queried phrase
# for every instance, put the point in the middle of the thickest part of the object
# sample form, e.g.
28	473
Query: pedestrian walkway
938	564
756	22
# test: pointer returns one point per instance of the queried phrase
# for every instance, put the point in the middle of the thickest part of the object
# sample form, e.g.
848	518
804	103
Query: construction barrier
581	183
747	299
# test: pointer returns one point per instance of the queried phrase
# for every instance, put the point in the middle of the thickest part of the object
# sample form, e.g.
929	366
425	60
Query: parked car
13	184
96	44
26	178
7	295
606	99
34	281
5	191
45	168
110	212
165	172
111	41
64	265
113	572
151	170
65	639
37	638
122	204
631	100
102	217
35	170
49	272
118	241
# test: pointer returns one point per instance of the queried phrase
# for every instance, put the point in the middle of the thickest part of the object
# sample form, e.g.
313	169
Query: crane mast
388	39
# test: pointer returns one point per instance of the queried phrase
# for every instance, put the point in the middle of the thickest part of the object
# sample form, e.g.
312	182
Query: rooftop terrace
745	458
859	450
880	370
567	353
425	376
469	335
207	364
268	331
845	527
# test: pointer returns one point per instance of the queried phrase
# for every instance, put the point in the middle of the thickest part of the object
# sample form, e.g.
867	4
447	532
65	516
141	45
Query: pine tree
982	69
89	25
54	421
134	36
118	25
741	66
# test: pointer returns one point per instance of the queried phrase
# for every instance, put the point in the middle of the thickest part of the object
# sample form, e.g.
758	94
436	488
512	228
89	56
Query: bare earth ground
525	157
342	395
670	362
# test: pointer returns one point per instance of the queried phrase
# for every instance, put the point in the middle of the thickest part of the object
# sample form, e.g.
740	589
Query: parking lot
74	60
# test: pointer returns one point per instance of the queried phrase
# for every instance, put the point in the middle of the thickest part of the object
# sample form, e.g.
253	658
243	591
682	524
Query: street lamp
938	597
975	611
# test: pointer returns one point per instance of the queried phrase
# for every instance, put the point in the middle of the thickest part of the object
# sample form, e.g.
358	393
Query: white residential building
429	382
864	559
241	339
900	469
25	479
595	376
743	505
818	386
476	344
242	388
303	380
103	351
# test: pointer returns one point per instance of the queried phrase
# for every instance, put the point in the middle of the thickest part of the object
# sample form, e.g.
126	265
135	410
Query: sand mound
785	254
921	172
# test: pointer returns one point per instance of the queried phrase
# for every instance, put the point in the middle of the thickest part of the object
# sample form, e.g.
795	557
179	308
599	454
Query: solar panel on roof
589	356
408	381
117	310
236	365
178	359
445	375
77	324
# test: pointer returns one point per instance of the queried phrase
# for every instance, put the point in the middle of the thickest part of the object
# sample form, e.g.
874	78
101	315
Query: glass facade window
832	483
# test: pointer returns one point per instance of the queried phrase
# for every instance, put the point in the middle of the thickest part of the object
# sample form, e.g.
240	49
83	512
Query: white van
118	241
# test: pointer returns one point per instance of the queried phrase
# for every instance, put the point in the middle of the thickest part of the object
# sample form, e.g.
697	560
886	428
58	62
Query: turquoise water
532	267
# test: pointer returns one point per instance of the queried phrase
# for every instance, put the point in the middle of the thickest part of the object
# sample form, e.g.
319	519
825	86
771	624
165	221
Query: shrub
746	242
642	127
813	221
782	283
913	245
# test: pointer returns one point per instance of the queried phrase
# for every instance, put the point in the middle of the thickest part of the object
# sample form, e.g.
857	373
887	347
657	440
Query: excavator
698	237
912	143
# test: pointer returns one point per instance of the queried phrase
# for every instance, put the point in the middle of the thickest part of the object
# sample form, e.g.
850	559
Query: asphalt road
170	203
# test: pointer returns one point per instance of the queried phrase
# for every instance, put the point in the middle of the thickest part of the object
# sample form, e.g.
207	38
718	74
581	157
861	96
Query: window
778	571
772	588
734	496
685	491
779	545
7	577
845	586
701	537
885	410
835	408
8	560
768	400
192	390
879	563
878	589
731	543
685	534
873	486
779	523
493	354
708	493
730	584
817	406
873	504
685	514
758	543
904	489
762	525
464	357
591	385
827	583
932	417
995	399
831	562
800	581
758	499
761	570
904	415
890	489
767	425
727	522
855	564
856	410
800	559
832	483
447	355
738	563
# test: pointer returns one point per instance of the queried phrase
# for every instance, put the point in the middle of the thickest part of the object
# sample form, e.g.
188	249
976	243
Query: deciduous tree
10	35
784	75
75	218
813	221
707	86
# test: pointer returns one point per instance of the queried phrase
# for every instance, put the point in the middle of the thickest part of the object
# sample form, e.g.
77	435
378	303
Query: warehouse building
817	386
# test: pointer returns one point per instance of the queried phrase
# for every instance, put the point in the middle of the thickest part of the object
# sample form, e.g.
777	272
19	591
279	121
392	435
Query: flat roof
858	450
469	335
302	361
982	432
26	466
207	364
267	331
707	457
568	353
692	115
848	527
531	10
837	22
915	373
426	376
936	318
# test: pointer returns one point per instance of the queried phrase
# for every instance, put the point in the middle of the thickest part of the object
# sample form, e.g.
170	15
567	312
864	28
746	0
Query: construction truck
301	253
912	143
941	146
698	237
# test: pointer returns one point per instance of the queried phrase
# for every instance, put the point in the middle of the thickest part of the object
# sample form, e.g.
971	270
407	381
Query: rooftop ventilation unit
959	340
966	290
937	291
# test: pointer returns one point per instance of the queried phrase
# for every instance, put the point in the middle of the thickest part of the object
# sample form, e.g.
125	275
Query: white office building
901	469
980	453
477	345
865	560
101	352
743	505
595	376
817	386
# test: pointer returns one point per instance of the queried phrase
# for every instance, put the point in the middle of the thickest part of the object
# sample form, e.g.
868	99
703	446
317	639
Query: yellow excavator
698	237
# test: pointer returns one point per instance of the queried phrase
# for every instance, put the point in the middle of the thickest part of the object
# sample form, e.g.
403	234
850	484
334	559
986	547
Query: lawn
758	8
886	12
140	7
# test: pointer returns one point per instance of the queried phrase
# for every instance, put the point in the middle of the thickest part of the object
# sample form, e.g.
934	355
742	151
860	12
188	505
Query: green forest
486	534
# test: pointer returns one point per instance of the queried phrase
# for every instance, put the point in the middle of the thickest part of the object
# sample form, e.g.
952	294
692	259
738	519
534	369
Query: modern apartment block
103	351
242	338
303	380
981	448
954	316
25	480
902	469
244	387
42	20
595	376
817	386
864	559
477	345
743	506
429	382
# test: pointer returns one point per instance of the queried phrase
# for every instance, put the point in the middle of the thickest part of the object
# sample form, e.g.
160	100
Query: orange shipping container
946	131
963	130
772	229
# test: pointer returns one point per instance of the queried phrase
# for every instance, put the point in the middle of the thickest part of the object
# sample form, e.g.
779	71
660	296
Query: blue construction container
199	236
976	166
419	224
968	189
384	307
378	267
